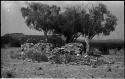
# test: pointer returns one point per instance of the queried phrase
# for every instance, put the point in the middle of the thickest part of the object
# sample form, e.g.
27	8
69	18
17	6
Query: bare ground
23	69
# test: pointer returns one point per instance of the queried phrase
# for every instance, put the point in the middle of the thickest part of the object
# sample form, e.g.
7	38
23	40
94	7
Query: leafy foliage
77	20
40	16
72	22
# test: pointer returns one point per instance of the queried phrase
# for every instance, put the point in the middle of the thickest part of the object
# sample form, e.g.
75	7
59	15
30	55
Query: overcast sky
13	22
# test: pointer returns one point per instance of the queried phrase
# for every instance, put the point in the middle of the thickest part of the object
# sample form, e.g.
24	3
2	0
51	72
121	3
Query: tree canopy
72	22
40	16
94	21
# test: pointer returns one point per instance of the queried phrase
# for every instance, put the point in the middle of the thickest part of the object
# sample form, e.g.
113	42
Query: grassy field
24	69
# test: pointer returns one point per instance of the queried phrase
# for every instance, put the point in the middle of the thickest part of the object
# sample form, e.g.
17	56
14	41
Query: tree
99	20
40	16
72	22
69	23
94	21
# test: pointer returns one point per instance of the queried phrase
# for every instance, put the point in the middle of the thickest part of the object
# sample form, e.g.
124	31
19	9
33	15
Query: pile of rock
39	47
67	53
71	48
63	54
26	46
35	51
89	60
44	47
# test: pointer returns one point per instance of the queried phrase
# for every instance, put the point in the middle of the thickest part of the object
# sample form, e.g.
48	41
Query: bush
30	53
17	55
36	55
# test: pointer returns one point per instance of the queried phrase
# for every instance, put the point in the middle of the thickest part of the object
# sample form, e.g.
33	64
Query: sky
13	22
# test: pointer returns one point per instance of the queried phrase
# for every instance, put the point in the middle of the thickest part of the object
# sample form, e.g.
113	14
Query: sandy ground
24	69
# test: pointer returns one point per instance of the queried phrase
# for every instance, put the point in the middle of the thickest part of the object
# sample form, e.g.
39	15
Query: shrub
17	55
31	53
36	55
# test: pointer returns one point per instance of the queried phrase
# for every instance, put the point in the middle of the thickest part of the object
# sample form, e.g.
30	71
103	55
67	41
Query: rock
78	54
67	52
36	52
27	45
72	48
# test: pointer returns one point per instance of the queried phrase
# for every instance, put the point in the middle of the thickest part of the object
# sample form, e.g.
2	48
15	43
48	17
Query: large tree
40	16
69	23
99	20
96	20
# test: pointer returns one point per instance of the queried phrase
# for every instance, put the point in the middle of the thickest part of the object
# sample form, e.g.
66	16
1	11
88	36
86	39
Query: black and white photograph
62	39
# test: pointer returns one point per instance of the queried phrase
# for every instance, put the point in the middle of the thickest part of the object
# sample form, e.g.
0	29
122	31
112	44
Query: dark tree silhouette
40	16
99	20
76	20
71	22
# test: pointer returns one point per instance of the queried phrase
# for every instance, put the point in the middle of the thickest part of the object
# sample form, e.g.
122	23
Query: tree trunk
46	37
87	45
74	37
68	39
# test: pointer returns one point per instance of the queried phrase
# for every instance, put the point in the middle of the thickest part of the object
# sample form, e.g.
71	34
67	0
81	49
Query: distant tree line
12	40
16	39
